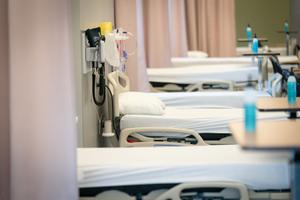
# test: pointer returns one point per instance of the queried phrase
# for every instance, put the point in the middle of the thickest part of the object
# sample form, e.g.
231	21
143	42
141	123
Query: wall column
4	102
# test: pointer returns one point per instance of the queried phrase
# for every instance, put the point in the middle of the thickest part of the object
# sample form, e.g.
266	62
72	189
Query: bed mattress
188	61
203	120
200	99
102	167
194	74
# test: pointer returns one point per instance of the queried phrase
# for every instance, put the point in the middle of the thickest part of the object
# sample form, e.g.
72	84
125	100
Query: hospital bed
226	75
212	98
203	73
281	50
211	122
291	46
195	172
188	61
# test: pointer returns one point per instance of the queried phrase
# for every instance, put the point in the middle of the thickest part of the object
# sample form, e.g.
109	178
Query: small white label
108	134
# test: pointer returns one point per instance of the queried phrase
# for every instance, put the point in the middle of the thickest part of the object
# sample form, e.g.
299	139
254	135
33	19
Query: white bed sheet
100	167
188	61
200	99
203	120
194	74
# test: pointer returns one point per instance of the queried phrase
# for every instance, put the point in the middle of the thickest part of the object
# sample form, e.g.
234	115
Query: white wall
4	103
92	12
295	12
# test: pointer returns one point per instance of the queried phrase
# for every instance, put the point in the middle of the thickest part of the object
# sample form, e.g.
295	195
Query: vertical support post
287	43
296	175
261	76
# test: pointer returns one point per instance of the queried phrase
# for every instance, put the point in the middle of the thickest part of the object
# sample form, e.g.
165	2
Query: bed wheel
113	195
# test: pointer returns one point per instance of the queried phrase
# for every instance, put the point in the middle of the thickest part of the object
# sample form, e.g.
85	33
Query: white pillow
139	103
197	54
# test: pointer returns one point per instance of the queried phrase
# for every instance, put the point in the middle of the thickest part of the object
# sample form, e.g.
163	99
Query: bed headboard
118	83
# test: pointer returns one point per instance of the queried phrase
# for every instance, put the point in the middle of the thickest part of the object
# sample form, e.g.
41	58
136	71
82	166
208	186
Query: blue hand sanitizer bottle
250	109
292	90
249	32
286	26
255	44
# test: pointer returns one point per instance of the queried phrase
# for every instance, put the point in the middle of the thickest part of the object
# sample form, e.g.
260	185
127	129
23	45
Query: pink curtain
42	101
158	37
168	28
156	27
211	26
178	31
128	15
165	31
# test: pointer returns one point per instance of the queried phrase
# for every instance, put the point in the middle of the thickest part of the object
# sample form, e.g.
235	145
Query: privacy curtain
211	26
42	101
129	15
169	28
158	38
164	31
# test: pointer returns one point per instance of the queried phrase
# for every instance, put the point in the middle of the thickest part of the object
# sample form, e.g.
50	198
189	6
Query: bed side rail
176	192
118	82
166	140
200	86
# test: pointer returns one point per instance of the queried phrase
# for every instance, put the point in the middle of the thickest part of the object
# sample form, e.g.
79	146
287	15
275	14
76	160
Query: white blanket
188	61
202	62
101	167
198	99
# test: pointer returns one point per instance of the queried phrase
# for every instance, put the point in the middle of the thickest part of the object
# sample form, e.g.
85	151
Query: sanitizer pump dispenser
286	27
255	44
250	109
249	34
292	90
